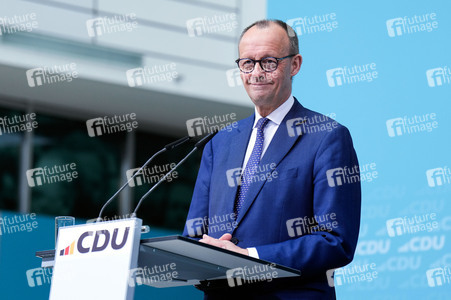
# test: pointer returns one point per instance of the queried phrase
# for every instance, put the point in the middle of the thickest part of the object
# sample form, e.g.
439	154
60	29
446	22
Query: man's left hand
224	243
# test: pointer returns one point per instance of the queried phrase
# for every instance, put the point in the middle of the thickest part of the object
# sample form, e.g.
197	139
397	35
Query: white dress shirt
275	118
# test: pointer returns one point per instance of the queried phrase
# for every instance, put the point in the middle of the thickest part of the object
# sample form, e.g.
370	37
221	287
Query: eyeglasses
268	64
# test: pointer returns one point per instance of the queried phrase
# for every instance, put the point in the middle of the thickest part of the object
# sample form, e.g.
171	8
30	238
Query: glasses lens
246	65
269	64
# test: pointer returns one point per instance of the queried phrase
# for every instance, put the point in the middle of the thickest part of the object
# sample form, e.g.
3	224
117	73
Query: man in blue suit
284	185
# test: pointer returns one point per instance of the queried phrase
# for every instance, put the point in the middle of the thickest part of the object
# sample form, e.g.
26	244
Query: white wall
161	37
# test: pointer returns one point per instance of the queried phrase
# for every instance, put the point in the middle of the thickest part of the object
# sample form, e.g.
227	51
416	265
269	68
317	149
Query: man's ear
296	63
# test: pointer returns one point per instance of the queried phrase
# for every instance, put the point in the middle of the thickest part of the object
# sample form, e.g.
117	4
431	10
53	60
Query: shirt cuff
253	252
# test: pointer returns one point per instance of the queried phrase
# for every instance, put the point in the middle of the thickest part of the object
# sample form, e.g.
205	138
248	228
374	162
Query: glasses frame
259	61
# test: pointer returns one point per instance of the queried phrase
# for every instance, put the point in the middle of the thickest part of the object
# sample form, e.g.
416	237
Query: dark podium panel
192	261
197	261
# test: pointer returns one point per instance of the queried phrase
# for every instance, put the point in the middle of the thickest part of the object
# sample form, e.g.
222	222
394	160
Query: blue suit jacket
303	208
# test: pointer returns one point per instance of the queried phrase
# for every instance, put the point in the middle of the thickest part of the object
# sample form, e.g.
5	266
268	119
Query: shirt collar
279	113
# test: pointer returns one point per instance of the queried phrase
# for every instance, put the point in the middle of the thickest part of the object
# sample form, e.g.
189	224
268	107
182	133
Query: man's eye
269	61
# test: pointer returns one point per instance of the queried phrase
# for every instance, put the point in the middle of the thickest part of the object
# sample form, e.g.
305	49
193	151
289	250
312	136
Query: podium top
187	247
195	262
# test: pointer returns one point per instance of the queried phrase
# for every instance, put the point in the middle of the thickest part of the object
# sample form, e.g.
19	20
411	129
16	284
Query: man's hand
223	242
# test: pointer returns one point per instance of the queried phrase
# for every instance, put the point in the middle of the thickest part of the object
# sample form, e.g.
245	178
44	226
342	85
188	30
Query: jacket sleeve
199	205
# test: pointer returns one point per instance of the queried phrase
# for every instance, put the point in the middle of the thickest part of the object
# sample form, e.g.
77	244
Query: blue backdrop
383	70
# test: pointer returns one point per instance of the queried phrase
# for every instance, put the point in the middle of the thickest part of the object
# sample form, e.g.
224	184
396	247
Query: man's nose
257	69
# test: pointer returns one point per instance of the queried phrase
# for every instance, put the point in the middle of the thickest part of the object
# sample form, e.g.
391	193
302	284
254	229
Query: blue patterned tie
251	166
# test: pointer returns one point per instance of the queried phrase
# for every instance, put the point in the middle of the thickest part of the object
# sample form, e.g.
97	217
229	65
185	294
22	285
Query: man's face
268	90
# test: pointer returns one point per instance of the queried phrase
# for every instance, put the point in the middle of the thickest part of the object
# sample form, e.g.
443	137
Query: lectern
106	260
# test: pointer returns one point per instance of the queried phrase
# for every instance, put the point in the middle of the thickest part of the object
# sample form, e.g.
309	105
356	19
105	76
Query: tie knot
262	123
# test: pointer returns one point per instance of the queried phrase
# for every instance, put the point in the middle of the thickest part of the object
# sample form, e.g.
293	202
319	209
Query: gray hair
292	36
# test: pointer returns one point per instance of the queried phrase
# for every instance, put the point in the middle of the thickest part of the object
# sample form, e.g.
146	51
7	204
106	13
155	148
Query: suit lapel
279	147
236	151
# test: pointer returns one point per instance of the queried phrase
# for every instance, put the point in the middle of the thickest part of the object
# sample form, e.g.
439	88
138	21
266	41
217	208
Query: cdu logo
69	250
102	239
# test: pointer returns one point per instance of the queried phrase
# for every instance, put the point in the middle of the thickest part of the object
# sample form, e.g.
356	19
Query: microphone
164	149
205	140
198	145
